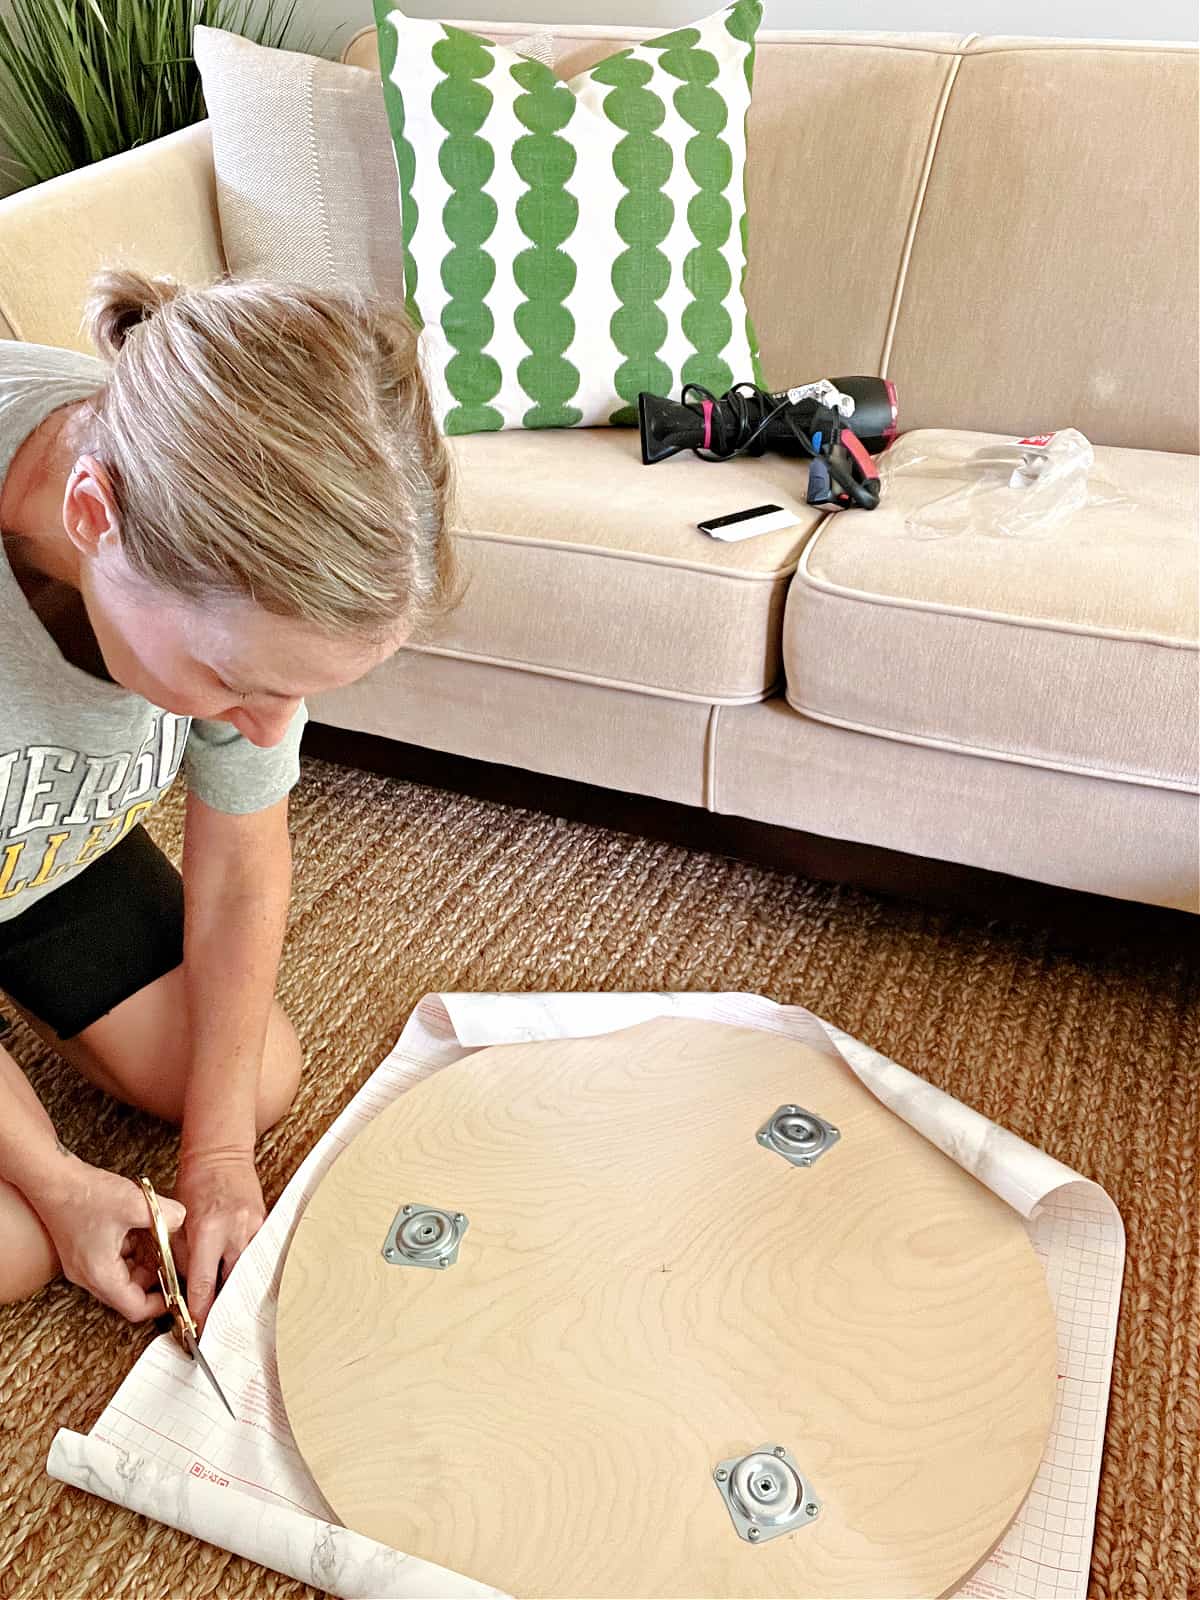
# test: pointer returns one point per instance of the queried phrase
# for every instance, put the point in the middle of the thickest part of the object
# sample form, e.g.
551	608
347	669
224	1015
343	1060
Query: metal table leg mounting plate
766	1493
424	1236
799	1136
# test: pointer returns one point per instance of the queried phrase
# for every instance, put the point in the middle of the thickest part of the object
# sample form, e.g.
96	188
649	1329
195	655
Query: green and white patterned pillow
569	244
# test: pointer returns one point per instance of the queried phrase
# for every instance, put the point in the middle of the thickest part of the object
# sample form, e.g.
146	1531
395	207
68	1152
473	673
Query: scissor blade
198	1357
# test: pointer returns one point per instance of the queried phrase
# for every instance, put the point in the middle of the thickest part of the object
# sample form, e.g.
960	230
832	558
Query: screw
721	1474
791	1110
459	1218
390	1253
408	1211
763	1138
832	1129
806	1161
811	1509
752	1533
779	1450
443	1262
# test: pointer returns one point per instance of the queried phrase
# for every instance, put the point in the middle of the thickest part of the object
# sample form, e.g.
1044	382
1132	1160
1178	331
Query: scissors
168	1278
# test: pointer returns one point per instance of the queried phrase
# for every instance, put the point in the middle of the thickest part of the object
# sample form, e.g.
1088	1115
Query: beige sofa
1005	227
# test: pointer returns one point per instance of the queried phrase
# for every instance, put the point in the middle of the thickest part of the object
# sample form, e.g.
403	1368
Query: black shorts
80	951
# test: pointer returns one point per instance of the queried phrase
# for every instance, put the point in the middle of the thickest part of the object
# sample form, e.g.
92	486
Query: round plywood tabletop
640	1296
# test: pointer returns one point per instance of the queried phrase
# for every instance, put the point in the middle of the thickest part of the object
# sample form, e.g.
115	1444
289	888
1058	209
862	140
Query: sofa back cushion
1006	227
1053	272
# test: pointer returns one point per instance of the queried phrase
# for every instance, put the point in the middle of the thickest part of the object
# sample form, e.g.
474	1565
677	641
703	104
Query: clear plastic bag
1018	488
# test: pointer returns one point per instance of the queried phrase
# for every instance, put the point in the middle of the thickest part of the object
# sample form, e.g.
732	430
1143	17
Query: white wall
332	21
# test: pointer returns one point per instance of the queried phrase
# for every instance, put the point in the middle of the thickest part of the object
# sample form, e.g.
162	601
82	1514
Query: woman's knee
29	1260
280	1076
115	1052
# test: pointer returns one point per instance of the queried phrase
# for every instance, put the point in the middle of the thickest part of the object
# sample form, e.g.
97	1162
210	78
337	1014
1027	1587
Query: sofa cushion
582	563
1052	277
1075	649
641	743
1122	839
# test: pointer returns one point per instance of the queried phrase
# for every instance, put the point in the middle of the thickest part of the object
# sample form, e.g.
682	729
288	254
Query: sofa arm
154	208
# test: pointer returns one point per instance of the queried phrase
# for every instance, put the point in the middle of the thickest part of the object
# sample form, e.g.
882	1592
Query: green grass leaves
84	79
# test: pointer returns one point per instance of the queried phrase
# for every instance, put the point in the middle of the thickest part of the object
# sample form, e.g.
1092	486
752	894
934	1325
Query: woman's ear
90	515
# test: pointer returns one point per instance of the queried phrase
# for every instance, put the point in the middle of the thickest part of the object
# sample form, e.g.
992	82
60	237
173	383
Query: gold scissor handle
184	1329
168	1276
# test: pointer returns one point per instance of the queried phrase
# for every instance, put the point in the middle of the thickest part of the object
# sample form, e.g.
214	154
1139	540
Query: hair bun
119	302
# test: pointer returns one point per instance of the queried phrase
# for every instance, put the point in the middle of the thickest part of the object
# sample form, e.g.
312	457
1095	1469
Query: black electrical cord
738	403
738	400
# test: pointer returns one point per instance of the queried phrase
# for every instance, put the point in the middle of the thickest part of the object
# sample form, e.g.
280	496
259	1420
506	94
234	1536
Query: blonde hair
274	442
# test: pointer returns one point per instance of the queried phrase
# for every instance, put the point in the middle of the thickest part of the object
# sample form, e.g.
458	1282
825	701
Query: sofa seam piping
595	680
807	579
927	741
604	33
1038	46
918	206
643	558
580	33
710	757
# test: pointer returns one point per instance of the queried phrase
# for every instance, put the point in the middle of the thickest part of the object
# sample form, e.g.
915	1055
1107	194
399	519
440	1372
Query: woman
244	507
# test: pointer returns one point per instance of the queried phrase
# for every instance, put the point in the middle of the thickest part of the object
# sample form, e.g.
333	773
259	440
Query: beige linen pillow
306	176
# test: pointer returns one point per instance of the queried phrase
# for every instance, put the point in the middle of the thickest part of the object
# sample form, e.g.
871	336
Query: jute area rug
402	890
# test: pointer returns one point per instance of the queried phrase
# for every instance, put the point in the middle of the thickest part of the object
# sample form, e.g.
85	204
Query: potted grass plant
84	79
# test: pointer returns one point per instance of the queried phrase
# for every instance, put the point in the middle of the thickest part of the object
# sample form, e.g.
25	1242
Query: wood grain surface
644	1291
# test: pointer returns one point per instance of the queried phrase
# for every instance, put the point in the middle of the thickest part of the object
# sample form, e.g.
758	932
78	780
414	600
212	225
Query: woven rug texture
401	890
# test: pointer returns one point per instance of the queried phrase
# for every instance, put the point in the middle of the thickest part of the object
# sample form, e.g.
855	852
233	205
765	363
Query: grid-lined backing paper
1046	1553
165	1447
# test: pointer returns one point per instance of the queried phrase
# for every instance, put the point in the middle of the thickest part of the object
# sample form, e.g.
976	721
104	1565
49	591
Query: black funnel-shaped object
666	427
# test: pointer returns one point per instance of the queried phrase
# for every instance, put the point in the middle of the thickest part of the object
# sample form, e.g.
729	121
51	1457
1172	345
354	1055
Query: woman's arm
236	877
88	1213
31	1156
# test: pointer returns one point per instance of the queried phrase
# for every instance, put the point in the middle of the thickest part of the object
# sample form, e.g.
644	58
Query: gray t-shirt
82	760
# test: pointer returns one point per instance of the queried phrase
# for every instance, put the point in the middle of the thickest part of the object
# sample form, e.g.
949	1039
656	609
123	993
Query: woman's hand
224	1211
98	1222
